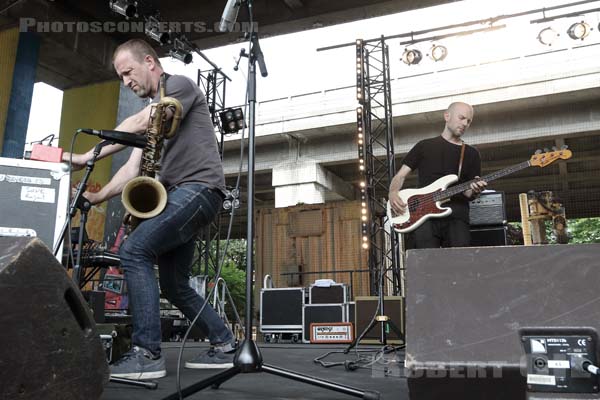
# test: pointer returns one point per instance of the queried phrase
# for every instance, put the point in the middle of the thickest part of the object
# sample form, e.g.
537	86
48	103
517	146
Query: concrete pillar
93	106
9	42
20	95
304	181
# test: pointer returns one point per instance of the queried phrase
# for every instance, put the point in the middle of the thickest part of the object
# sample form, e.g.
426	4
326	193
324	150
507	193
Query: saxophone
144	196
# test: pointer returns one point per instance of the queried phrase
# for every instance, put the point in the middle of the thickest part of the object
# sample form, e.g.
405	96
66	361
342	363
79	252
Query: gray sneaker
138	363
213	358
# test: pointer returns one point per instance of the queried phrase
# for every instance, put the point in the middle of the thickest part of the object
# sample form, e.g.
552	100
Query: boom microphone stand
248	358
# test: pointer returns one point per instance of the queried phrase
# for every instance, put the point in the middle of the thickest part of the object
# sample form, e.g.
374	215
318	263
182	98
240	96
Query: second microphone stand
248	358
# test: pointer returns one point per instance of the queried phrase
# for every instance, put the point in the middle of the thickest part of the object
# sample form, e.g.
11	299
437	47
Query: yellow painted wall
9	41
94	107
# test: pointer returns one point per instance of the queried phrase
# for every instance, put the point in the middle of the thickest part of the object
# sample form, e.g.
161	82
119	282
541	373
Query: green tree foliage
584	230
233	271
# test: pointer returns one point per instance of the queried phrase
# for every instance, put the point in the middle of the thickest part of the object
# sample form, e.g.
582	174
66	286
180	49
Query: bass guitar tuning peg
564	147
554	148
546	150
538	151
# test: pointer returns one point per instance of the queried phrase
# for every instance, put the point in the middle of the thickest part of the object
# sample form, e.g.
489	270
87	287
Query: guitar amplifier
34	198
366	309
488	209
281	309
315	313
490	236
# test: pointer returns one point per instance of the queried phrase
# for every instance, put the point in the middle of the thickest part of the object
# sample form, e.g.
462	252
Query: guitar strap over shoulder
462	156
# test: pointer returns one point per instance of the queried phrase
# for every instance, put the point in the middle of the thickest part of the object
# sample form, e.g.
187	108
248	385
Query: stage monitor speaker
50	347
465	307
366	308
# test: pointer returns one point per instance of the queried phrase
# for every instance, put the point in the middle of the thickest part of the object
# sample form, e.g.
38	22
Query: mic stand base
248	359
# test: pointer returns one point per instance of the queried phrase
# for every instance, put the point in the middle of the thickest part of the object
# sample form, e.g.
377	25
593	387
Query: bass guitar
425	203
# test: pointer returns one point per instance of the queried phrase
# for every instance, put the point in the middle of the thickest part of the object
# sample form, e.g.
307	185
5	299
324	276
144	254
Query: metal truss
213	84
376	158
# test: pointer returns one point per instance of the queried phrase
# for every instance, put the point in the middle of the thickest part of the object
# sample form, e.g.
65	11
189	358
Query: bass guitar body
421	205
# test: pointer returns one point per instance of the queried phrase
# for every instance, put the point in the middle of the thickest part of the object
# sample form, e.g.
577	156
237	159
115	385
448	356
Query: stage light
181	55
232	120
411	56
437	52
153	31
126	8
547	36
579	30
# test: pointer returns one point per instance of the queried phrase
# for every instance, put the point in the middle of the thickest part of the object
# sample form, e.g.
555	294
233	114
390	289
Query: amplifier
491	236
366	309
488	209
34	197
331	332
318	313
336	293
281	309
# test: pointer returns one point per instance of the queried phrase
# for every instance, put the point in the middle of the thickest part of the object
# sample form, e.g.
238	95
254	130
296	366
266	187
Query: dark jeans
442	232
168	239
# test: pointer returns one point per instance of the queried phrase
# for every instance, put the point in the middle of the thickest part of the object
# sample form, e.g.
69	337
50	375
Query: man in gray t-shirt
192	173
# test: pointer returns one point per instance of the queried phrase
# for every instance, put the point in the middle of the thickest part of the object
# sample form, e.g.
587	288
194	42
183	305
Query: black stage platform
297	357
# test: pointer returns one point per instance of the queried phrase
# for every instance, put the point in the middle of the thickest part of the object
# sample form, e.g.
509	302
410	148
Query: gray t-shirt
191	155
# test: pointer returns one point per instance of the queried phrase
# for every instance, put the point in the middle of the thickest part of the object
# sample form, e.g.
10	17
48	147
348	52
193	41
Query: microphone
230	14
128	139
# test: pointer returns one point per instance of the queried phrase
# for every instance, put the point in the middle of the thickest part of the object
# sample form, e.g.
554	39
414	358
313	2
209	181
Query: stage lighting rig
152	30
579	30
438	52
180	52
126	8
232	120
411	56
232	200
547	36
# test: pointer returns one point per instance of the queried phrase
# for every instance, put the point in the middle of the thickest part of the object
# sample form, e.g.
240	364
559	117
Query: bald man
435	158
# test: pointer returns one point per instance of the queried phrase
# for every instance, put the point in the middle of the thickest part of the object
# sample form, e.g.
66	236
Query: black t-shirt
435	158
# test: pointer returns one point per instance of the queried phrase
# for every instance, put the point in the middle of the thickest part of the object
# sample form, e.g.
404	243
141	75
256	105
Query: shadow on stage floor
385	375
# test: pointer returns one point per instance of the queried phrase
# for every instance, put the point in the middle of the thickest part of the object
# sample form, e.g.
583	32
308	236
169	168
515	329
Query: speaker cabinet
465	307
34	198
314	313
490	236
367	307
50	347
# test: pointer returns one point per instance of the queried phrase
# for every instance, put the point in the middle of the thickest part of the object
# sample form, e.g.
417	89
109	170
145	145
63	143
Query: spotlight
181	55
126	8
437	52
547	36
152	30
579	30
411	56
232	120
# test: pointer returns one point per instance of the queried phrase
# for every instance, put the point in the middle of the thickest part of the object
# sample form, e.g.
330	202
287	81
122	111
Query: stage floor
296	357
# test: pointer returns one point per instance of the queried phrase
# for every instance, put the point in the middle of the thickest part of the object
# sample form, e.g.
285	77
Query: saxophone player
192	173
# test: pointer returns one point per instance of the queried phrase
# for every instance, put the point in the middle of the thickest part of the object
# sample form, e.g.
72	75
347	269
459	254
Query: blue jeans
168	239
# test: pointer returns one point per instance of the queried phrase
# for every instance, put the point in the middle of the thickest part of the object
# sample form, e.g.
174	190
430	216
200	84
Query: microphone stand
79	202
248	358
